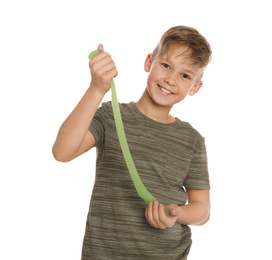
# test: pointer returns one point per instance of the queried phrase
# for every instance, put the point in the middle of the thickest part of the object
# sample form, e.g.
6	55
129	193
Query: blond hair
200	49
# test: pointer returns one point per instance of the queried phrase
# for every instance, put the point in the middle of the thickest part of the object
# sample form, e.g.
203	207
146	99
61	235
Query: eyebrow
189	71
184	69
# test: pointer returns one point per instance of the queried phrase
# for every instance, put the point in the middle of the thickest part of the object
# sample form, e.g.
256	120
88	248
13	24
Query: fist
103	70
156	217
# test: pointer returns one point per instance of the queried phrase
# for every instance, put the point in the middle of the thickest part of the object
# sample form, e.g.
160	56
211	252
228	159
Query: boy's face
172	77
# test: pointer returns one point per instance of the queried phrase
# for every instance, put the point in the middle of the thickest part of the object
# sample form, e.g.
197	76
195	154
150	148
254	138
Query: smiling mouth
165	90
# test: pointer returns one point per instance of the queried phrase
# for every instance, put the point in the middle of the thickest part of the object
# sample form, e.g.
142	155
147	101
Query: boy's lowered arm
196	212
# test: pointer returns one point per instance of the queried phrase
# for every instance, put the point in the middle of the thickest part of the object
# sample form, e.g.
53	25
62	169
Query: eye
165	65
185	76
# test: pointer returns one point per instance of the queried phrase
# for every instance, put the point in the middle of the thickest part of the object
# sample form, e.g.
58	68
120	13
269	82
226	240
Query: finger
167	220
100	59
163	218
109	70
175	211
155	211
112	73
156	216
162	215
146	211
105	65
100	47
149	215
102	62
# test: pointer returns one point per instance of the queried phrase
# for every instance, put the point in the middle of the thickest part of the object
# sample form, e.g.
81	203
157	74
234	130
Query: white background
44	72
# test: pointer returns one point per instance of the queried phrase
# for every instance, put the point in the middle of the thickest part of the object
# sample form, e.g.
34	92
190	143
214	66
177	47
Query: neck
154	111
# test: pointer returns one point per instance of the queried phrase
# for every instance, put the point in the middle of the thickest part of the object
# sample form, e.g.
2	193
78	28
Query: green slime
139	186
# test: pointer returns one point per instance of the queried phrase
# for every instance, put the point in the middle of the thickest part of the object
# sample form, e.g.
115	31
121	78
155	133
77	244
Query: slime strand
139	186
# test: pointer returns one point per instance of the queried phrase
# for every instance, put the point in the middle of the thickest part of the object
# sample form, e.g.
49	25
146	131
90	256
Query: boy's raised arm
73	137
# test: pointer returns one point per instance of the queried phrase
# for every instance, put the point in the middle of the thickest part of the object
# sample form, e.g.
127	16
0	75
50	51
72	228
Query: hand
103	70
156	217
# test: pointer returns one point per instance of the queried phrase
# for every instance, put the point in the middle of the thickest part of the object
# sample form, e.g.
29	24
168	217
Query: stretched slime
139	186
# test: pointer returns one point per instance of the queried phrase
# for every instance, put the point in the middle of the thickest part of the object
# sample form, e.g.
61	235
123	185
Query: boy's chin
163	103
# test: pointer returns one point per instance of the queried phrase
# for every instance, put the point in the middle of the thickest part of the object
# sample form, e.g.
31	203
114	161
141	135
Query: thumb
100	47
175	211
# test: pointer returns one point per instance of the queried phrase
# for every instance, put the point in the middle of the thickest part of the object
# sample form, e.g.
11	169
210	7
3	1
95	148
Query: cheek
152	79
155	74
184	90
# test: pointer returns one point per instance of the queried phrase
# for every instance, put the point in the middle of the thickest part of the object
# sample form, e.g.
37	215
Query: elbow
59	156
205	219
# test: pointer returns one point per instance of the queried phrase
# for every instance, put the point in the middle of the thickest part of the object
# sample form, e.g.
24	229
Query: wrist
96	92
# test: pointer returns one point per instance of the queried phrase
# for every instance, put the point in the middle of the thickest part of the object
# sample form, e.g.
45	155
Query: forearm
194	213
75	127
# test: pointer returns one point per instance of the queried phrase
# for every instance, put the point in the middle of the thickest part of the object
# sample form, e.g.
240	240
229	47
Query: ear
148	62
195	88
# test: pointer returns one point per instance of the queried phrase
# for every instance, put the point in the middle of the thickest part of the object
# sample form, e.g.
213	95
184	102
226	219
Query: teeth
166	91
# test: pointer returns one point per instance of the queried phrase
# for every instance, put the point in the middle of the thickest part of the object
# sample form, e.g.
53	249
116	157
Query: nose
170	79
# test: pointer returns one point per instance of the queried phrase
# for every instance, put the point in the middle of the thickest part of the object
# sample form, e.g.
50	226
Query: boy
169	155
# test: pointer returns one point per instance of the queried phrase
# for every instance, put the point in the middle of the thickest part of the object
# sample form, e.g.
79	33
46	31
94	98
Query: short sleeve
99	124
198	175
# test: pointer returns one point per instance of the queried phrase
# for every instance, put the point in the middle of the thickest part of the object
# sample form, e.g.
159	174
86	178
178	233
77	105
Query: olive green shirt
169	158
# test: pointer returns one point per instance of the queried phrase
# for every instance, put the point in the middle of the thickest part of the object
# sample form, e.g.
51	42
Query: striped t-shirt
169	158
